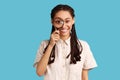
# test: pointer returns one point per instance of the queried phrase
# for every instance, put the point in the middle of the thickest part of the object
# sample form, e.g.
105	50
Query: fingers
56	32
58	28
54	37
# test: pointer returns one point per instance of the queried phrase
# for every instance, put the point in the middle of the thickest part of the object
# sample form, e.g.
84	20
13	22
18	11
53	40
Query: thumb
57	32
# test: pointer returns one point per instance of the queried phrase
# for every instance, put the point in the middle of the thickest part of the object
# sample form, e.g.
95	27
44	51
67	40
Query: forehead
63	15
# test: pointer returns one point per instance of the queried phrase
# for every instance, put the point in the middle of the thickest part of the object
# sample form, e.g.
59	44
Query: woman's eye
67	21
58	22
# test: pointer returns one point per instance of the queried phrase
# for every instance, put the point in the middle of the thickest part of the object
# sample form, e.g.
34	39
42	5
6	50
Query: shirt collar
67	41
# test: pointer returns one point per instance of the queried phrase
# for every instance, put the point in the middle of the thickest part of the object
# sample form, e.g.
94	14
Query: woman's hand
54	37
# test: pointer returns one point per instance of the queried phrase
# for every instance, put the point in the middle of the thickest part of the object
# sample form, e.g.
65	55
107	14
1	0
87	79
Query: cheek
70	26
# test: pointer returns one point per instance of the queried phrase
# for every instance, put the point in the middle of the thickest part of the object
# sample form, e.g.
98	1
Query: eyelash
58	21
67	21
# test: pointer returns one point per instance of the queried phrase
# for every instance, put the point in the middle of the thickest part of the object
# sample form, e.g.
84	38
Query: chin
65	34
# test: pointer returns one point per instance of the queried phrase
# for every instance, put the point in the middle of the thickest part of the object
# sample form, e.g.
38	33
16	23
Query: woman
64	57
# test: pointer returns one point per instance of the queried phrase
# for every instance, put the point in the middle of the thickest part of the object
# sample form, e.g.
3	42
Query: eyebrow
60	18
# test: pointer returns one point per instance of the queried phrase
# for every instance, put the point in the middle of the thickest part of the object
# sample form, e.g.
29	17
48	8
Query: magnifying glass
58	24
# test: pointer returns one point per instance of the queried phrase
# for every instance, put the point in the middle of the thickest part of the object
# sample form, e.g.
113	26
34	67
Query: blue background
25	23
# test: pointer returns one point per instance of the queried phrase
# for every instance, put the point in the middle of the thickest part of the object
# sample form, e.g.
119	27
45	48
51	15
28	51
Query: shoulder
44	43
84	43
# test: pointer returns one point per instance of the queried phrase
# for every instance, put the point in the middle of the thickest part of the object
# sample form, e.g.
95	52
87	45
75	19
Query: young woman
64	56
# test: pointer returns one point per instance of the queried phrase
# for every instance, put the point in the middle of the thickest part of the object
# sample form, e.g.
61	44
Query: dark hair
76	47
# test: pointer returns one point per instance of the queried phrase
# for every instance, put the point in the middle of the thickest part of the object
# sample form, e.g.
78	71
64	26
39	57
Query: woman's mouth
63	30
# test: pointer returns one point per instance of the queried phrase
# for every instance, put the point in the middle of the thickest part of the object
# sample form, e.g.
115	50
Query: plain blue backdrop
25	23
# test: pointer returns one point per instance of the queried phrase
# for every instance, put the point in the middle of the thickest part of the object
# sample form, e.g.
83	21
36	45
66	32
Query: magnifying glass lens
59	23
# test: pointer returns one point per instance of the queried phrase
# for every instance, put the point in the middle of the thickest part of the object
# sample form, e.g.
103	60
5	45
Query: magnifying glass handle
58	28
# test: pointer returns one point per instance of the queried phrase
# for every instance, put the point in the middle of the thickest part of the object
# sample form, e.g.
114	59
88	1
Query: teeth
64	30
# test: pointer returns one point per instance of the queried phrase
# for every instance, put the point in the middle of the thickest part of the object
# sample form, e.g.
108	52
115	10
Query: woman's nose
63	25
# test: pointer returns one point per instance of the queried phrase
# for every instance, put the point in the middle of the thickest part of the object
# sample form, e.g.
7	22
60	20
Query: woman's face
63	22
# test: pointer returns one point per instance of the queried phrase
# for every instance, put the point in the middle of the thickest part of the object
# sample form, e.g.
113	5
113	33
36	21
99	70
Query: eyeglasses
58	23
